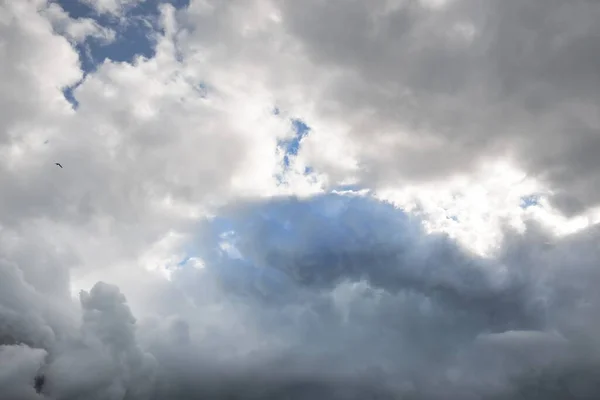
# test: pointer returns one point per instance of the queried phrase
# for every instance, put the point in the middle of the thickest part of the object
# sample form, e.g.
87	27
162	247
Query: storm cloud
332	310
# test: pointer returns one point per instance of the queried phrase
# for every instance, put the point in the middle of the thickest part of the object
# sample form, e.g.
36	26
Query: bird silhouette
58	164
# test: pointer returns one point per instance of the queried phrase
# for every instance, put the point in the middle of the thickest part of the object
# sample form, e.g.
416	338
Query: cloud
144	144
382	313
342	297
19	366
105	362
214	267
413	92
30	101
77	30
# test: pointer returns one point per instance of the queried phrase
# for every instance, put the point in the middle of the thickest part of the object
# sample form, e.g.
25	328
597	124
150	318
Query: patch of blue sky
302	131
530	201
135	34
184	261
68	93
291	147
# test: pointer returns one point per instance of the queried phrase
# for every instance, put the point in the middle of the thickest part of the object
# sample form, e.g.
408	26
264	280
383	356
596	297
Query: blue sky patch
530	201
136	31
292	146
135	36
68	93
184	261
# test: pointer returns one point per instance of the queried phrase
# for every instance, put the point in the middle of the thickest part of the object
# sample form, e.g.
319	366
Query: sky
319	199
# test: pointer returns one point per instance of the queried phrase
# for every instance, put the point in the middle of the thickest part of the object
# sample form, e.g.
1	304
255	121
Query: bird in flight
58	164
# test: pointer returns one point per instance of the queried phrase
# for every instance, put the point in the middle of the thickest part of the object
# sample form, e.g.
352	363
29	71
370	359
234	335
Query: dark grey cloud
397	312
377	325
19	367
101	359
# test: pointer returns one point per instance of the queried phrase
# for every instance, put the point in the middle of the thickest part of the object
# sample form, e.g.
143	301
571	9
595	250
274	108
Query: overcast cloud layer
277	199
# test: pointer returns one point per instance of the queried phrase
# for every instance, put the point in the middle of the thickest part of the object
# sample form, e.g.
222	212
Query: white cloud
409	100
36	64
77	30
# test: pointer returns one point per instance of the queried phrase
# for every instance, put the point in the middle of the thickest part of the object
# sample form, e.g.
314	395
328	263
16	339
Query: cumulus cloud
214	258
415	91
104	361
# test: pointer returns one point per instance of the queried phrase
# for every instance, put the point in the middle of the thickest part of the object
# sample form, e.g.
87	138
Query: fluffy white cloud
176	188
76	30
416	92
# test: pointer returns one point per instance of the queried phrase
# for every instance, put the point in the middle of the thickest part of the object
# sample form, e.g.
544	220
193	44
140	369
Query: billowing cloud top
314	199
